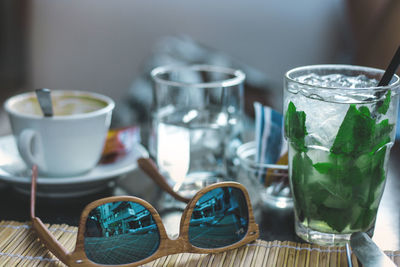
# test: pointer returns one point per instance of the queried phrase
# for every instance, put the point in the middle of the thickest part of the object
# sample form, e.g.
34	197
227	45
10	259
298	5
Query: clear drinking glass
268	184
340	130
197	118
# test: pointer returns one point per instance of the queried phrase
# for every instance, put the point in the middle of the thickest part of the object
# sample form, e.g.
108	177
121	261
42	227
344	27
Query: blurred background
107	46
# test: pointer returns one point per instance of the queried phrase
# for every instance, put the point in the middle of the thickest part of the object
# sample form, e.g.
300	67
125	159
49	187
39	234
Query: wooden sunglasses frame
166	247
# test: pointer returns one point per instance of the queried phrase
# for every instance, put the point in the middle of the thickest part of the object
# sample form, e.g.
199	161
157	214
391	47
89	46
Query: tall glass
197	118
339	142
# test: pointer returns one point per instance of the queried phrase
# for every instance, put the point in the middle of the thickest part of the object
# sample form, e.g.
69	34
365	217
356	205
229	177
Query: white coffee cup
68	143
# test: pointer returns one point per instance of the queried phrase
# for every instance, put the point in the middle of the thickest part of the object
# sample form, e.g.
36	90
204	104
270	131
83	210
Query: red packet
119	142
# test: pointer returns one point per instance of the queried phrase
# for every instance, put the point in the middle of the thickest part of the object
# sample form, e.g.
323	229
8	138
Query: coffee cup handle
29	146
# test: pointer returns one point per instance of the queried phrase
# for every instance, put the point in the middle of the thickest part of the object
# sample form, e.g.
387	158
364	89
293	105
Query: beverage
191	144
340	130
70	142
196	120
63	105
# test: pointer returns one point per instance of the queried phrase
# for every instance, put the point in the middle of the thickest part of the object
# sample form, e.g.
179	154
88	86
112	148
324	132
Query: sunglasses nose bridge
173	246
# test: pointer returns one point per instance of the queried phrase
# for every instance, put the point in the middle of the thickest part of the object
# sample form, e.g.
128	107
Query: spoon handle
44	98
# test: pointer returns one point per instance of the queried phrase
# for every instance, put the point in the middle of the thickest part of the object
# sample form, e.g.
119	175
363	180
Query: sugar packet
270	142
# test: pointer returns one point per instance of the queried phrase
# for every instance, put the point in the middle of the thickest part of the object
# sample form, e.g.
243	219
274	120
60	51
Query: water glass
197	119
340	127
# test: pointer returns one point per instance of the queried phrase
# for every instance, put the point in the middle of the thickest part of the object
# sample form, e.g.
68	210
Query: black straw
391	69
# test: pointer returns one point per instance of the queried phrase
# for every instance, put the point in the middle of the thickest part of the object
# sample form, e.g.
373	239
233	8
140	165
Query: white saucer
14	171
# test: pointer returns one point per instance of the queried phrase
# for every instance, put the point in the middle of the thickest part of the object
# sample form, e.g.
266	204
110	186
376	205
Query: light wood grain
166	247
33	253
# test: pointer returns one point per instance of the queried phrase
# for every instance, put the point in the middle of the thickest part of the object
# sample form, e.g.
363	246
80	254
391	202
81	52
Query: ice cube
337	81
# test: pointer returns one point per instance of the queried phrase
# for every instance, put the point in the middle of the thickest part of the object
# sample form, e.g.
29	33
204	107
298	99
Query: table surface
274	224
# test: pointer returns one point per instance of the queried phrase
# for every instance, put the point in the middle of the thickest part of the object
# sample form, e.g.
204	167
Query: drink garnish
327	191
297	130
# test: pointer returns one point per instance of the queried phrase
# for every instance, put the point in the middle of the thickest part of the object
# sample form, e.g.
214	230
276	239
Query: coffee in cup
68	143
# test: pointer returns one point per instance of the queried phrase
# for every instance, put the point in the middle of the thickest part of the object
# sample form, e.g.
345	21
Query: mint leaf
324	167
377	174
355	133
383	108
295	127
337	219
363	219
381	135
359	132
302	168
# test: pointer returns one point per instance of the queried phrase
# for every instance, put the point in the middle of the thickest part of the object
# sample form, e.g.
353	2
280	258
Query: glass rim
245	149
238	78
391	86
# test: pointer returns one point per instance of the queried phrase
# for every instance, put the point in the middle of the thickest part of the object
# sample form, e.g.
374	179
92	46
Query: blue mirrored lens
220	218
120	233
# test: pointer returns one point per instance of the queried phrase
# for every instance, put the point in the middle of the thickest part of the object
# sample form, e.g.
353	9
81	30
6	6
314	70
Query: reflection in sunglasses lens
120	233
220	218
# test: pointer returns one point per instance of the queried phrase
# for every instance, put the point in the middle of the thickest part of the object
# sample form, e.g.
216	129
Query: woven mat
19	246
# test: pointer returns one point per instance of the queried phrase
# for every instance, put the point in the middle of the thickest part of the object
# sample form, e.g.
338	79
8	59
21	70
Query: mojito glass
340	127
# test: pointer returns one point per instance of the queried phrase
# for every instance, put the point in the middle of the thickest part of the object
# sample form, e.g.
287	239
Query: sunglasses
128	231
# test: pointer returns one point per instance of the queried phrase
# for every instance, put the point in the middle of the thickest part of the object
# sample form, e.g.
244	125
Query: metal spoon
44	98
348	255
369	254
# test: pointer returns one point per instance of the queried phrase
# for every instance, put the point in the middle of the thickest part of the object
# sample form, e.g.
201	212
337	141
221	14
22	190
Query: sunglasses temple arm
150	168
33	190
45	236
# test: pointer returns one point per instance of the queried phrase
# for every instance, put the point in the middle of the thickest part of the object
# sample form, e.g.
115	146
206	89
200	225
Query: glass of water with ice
196	121
340	128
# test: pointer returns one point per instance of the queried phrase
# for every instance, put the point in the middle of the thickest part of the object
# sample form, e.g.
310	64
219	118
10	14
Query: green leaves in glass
295	127
383	108
343	191
359	131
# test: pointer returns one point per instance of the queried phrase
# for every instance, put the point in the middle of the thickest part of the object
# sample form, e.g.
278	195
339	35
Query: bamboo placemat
19	246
